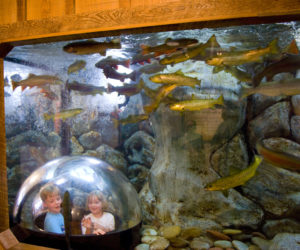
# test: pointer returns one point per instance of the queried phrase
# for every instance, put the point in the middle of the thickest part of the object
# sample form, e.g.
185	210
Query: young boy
54	221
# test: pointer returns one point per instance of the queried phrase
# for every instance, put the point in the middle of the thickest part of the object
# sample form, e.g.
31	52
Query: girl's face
95	205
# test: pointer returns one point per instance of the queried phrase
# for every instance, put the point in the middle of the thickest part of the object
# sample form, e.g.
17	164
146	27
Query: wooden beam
146	16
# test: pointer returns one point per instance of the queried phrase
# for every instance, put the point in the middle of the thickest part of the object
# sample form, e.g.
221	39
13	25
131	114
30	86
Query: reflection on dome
79	175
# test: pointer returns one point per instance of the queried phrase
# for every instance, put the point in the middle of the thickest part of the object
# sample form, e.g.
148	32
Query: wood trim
4	221
21	10
149	16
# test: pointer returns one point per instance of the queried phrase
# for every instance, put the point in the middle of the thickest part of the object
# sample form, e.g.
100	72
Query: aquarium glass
204	123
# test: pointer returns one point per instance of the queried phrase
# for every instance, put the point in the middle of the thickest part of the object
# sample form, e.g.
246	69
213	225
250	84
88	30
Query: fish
177	78
37	80
278	159
191	52
66	205
142	59
237	179
288	87
64	114
196	104
76	66
110	72
130	119
169	46
289	63
112	62
152	68
235	58
161	93
235	72
48	94
85	89
91	47
127	89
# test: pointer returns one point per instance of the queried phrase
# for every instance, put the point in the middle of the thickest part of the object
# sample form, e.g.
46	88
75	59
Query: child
97	222
54	221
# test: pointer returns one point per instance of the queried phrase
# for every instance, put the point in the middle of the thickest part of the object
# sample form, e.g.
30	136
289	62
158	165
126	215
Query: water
169	156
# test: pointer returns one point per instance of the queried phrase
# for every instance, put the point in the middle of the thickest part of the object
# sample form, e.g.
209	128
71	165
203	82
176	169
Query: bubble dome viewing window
79	175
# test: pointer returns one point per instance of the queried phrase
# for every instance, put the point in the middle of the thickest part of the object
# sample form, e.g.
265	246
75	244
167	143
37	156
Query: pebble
216	248
253	247
218	235
178	242
142	246
232	231
159	244
239	245
169	232
222	243
259	234
190	233
149	231
263	244
199	245
148	239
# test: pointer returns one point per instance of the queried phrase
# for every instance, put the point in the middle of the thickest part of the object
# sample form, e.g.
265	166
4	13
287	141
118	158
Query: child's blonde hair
98	194
47	190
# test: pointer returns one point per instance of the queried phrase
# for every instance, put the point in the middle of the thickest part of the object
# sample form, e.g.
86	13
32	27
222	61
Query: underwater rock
76	148
169	232
239	245
199	245
178	242
112	157
80	127
273	227
149	231
140	148
296	104
138	175
190	233
280	187
159	244
90	140
285	241
142	246
295	128
179	174
54	139
261	243
222	243
258	103
29	138
273	122
231	156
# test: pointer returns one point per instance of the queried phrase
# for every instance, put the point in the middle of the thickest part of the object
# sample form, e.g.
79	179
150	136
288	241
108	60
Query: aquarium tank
204	124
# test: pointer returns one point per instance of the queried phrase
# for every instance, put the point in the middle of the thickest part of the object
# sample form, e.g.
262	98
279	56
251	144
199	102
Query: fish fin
274	49
127	63
217	69
141	84
292	48
246	91
179	72
148	60
109	88
148	109
115	122
213	42
220	100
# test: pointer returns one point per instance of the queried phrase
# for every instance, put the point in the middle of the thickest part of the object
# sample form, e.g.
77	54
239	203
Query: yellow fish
236	179
76	66
64	114
279	159
196	104
177	78
130	119
234	58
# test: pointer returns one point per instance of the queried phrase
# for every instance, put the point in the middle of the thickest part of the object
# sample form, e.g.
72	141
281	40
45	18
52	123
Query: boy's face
53	203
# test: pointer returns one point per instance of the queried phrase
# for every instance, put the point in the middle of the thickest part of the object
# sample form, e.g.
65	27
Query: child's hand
99	231
86	222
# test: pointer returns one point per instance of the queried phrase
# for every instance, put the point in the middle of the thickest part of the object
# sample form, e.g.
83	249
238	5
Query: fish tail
274	49
109	88
293	48
14	84
145	49
245	92
117	40
220	100
217	69
132	76
212	41
148	109
141	84
47	117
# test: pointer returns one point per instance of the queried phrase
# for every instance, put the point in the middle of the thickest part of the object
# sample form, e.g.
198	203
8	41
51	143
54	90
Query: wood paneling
141	16
38	9
85	6
8	11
